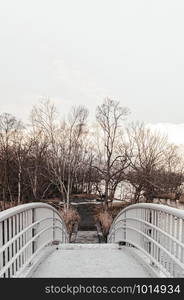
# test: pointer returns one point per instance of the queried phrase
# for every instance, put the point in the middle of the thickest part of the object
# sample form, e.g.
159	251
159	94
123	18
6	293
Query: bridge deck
92	260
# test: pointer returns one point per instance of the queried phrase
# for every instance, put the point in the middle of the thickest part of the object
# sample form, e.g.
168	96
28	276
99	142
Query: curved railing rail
157	230
24	232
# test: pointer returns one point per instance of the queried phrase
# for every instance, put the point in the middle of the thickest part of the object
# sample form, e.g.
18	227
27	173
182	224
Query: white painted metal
24	231
157	230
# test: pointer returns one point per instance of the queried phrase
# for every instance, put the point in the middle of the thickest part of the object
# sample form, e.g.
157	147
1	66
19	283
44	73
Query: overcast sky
80	51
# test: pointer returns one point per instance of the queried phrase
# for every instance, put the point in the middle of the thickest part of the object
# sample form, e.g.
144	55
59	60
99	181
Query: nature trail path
87	233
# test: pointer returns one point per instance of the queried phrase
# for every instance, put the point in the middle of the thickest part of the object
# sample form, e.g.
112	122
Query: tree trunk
68	193
137	195
19	185
4	199
106	194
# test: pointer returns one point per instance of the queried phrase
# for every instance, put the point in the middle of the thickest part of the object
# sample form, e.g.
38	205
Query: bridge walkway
92	260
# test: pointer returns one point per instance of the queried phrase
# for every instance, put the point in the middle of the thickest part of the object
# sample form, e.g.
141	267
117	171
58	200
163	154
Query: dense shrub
70	217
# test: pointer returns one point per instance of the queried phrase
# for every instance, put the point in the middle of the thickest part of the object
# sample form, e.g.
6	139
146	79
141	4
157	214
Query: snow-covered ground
92	260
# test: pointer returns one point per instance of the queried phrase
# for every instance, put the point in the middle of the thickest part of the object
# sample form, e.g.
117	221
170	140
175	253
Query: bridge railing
24	232
157	230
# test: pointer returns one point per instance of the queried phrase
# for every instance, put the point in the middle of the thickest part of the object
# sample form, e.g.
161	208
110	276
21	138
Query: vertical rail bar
10	247
5	231
1	244
14	244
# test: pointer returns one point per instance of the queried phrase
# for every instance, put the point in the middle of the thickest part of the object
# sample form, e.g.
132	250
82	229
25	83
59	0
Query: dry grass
105	220
7	205
70	217
113	208
120	204
106	217
181	199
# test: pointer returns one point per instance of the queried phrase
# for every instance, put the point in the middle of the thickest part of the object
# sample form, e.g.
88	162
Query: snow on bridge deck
92	260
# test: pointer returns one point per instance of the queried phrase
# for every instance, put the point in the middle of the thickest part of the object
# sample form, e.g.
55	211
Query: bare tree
9	125
56	158
149	156
64	140
170	176
109	116
47	127
20	151
76	129
37	146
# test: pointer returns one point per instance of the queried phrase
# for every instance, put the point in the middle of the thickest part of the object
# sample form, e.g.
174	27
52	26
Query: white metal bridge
145	240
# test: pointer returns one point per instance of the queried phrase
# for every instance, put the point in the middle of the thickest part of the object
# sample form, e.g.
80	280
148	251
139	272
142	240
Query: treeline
55	158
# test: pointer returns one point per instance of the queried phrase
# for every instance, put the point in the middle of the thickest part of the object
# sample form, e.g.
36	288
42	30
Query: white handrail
25	230
157	230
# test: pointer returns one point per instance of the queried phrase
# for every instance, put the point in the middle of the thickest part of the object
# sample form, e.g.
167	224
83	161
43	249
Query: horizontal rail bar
158	207
33	225
155	242
151	226
20	227
163	270
4	269
29	261
157	230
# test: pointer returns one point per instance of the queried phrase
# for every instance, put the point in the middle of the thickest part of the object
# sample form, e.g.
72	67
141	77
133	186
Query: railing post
5	239
33	231
54	229
124	228
1	244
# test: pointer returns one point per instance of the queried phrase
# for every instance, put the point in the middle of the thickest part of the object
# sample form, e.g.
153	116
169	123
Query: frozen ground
91	260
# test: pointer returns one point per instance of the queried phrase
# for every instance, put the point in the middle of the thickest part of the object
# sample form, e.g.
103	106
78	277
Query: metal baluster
1	244
25	234
5	234
29	232
10	246
182	240
33	231
13	245
18	241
